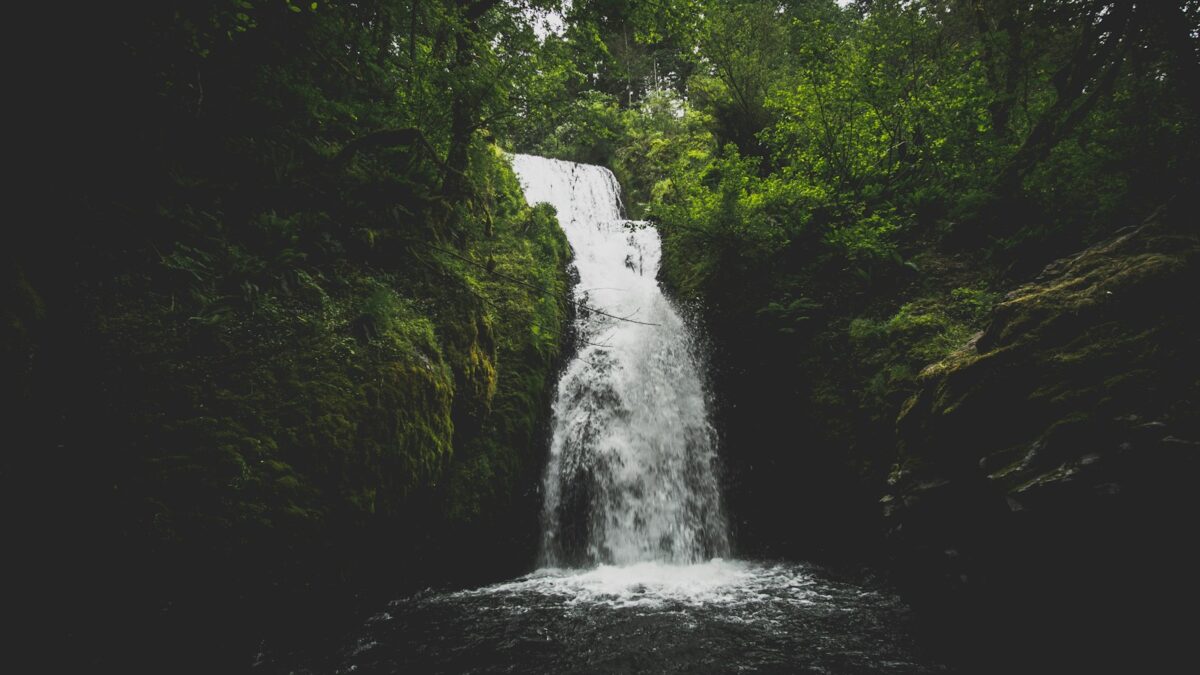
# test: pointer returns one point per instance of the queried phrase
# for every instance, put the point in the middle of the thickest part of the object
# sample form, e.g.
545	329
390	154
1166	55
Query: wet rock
1056	450
1180	443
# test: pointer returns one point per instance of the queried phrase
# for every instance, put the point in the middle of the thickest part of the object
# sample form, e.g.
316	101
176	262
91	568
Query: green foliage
791	316
589	132
890	352
971	305
281	316
864	238
832	183
328	392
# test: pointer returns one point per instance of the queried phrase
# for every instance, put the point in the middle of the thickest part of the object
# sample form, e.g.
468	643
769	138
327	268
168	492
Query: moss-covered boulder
1060	446
265	409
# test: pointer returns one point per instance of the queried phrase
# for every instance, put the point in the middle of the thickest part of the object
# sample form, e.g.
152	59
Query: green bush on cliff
281	399
307	320
890	352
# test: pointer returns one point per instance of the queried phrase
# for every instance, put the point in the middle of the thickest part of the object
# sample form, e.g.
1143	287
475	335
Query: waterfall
632	470
635	571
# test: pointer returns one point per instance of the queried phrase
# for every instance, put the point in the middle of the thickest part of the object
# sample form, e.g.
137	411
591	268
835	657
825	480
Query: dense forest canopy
800	116
289	323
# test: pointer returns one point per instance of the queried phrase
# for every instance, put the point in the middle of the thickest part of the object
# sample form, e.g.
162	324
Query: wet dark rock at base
1056	453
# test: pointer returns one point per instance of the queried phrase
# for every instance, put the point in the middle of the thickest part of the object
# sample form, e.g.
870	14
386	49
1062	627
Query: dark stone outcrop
1043	498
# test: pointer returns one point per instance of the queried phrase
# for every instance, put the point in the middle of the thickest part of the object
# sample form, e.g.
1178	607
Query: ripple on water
714	617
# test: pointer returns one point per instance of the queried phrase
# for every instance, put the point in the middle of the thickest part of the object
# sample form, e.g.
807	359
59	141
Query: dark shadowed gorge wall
265	348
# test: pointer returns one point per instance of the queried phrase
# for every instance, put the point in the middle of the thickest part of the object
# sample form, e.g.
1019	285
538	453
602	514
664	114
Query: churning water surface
714	617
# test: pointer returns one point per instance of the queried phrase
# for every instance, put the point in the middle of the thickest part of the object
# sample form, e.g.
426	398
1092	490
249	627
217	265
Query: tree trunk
464	106
1079	85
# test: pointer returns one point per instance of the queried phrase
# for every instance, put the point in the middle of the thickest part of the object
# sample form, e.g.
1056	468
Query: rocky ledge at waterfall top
1044	486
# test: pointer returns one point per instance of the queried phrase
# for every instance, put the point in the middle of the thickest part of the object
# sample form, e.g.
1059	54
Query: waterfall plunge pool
720	616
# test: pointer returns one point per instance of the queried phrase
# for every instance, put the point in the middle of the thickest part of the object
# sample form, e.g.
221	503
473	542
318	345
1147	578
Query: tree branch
388	138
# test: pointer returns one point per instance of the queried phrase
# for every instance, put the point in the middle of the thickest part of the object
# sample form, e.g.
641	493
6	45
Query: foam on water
717	582
719	616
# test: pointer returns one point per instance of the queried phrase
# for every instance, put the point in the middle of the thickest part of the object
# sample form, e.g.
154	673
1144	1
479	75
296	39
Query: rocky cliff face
247	419
1044	487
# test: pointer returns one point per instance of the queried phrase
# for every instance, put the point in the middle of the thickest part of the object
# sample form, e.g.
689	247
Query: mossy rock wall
1044	483
262	412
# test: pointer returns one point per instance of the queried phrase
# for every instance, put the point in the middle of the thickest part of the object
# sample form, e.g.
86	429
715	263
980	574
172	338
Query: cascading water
631	476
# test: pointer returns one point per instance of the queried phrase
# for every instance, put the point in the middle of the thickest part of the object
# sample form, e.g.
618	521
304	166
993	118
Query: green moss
1099	335
492	465
893	353
275	382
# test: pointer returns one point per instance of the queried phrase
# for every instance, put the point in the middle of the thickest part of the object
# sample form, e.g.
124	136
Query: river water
713	617
636	572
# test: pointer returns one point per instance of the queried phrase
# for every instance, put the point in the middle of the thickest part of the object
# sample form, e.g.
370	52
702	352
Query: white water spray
631	476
